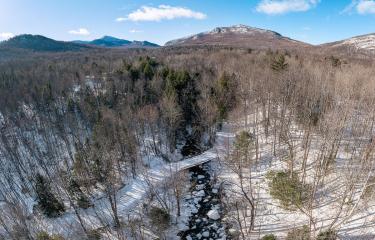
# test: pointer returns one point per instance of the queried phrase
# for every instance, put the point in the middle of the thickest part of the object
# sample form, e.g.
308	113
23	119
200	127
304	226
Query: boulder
206	234
213	214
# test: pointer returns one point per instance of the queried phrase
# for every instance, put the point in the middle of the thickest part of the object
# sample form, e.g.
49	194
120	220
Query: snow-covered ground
366	42
271	218
129	198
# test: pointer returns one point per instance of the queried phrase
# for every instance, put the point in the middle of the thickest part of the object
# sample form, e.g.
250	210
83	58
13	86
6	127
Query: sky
312	21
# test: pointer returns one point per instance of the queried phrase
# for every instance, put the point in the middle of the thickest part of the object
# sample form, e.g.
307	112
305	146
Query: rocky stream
205	222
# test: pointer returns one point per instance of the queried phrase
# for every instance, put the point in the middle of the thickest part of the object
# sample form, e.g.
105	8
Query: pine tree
78	195
148	71
47	202
279	63
243	145
224	95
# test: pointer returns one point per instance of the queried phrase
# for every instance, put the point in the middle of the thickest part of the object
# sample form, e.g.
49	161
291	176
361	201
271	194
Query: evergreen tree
279	63
244	141
148	71
78	195
134	74
244	145
224	95
47	202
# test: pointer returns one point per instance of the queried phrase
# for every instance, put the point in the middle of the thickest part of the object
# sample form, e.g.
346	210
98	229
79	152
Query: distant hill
364	44
108	41
38	43
239	35
144	44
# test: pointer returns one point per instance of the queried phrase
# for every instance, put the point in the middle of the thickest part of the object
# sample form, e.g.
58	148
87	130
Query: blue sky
313	21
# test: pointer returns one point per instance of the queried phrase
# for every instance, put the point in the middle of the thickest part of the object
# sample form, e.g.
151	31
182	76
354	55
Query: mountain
364	44
38	43
144	44
108	41
239	35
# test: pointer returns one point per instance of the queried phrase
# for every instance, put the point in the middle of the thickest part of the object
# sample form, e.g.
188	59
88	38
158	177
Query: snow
129	197
182	227
366	42
241	29
2	120
232	231
200	193
237	29
199	186
213	214
271	218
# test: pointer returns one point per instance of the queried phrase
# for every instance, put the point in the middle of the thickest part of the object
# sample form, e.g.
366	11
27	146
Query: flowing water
204	202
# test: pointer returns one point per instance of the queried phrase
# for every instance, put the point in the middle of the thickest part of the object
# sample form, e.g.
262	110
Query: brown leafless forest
292	133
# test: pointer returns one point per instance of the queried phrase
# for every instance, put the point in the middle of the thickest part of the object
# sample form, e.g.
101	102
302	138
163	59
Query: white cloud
6	35
274	7
350	7
135	31
361	7
81	31
162	12
121	19
366	7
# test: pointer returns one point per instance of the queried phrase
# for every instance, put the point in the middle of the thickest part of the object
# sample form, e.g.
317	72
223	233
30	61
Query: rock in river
213	214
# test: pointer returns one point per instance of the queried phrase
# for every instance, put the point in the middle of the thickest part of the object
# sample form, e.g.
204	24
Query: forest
191	143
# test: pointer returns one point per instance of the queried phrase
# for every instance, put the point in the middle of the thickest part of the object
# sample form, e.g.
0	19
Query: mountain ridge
109	41
39	43
361	44
239	35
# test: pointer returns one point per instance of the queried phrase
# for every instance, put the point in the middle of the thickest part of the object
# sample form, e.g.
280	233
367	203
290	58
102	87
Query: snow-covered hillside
339	201
238	35
236	29
241	29
366	42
